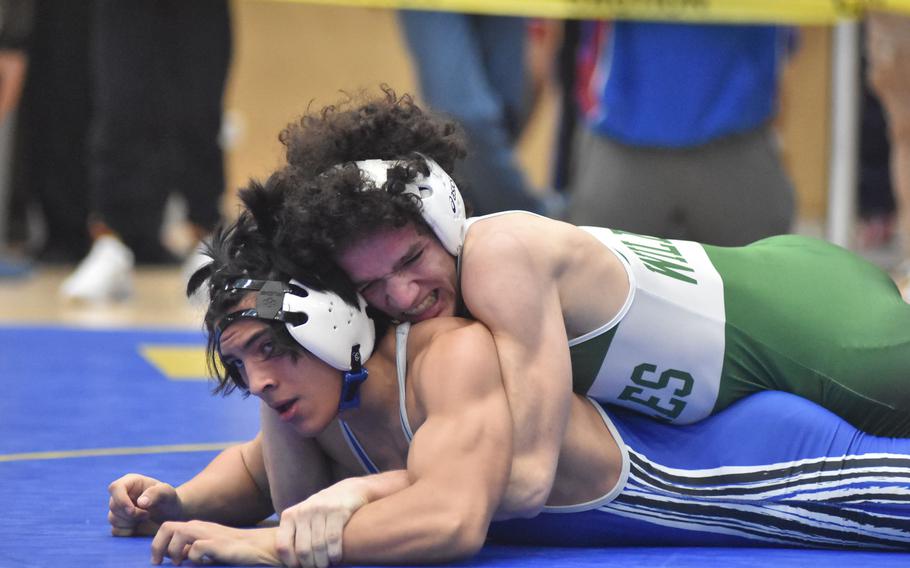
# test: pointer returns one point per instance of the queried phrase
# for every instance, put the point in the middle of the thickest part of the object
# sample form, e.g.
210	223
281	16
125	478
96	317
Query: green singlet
704	326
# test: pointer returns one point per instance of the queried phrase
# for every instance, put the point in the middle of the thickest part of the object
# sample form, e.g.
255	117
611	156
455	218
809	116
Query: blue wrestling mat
81	408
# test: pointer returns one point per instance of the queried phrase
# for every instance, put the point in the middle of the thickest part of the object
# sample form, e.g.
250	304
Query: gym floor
91	393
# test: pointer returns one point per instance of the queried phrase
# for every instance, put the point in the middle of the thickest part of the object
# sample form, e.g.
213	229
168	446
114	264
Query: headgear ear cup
332	327
442	206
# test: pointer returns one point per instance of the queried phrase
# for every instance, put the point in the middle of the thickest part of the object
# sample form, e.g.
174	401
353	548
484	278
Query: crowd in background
665	128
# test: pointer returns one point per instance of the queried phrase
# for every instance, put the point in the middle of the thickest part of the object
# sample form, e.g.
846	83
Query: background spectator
677	139
159	70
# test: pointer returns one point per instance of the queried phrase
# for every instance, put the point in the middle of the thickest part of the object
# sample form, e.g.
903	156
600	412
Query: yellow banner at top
888	5
742	11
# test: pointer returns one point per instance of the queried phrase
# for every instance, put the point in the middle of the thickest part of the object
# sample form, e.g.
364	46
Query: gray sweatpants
730	192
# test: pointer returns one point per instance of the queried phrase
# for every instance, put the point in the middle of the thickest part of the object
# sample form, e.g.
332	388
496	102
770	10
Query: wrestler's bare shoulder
453	346
520	225
519	241
511	233
453	332
504	254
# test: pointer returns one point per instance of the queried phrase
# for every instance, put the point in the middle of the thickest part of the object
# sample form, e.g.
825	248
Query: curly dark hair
247	249
328	206
387	127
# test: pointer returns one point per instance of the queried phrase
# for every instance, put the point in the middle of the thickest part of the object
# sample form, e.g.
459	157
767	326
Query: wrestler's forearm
532	347
226	491
380	485
530	482
539	390
458	462
418	525
296	467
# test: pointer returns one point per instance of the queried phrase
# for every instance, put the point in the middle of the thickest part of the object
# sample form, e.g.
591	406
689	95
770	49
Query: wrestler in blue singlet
773	469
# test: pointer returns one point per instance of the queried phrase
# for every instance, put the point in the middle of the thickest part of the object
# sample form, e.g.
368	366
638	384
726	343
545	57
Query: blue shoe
14	268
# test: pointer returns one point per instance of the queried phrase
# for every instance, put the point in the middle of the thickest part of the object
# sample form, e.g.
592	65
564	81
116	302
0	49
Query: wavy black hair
247	248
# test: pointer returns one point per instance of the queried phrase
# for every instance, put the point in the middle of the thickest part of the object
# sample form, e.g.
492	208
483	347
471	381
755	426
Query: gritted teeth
424	305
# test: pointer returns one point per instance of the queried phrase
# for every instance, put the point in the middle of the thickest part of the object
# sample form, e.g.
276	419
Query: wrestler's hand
310	532
139	504
202	542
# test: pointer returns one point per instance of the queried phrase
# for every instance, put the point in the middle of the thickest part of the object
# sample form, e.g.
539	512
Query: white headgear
332	327
441	203
321	322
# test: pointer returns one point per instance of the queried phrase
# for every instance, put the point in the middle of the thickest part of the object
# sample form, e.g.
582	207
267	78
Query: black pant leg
128	144
53	125
201	56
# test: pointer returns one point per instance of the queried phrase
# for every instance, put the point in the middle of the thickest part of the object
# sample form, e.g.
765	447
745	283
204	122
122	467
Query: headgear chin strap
441	203
321	322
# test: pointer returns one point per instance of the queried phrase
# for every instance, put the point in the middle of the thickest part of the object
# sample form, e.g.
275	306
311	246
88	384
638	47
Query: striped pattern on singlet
808	479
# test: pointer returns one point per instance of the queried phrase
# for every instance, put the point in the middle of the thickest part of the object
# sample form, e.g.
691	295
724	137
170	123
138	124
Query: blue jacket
678	85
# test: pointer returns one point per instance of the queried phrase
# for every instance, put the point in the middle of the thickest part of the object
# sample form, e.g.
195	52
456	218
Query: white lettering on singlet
666	357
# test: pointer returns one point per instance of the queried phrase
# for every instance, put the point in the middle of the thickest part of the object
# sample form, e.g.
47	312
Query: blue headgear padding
351	382
441	203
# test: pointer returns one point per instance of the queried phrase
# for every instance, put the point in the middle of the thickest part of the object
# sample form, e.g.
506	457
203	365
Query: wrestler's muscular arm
313	512
458	467
458	462
512	288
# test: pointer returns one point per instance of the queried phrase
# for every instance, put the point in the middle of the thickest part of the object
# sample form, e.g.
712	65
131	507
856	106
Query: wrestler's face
403	272
302	389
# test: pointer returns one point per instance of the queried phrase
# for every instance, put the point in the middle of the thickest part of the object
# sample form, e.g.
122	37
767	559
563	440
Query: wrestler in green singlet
704	326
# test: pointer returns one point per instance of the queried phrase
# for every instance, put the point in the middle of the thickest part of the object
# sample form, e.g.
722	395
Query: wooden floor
157	302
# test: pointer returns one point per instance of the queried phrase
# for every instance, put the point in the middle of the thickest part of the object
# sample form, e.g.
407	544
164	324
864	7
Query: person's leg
877	208
738	190
810	318
447	55
888	50
54	120
503	43
622	187
200	57
568	108
772	470
128	150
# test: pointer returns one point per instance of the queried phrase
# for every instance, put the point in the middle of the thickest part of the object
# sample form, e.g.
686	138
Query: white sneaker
105	275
